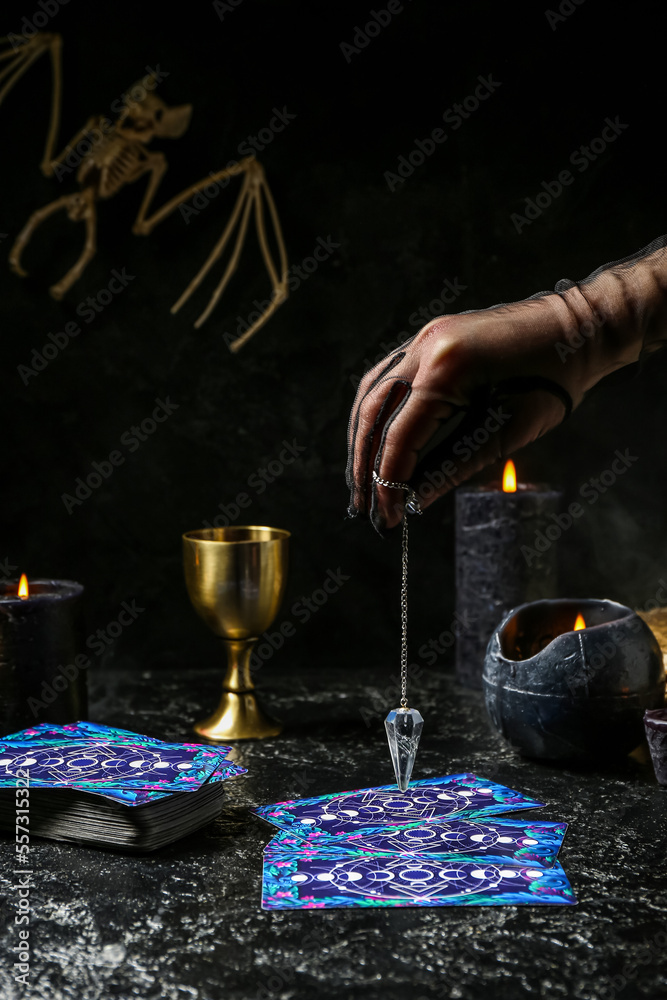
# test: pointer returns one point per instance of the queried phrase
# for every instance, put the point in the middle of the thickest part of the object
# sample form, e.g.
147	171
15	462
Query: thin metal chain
412	507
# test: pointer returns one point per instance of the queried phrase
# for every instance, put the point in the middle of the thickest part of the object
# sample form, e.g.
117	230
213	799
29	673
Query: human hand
512	372
403	401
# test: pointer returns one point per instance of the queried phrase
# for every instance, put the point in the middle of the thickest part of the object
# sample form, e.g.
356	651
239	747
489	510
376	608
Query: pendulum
404	725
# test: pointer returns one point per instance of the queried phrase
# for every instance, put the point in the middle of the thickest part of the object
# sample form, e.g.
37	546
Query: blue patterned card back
306	882
113	763
118	764
74	730
95	730
430	800
503	842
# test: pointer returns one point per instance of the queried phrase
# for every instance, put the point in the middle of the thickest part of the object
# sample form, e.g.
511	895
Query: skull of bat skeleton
148	116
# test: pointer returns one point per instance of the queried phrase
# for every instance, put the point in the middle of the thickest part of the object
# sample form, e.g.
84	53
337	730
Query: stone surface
186	922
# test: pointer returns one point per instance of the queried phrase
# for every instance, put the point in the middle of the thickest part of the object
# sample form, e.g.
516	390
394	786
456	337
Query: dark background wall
394	251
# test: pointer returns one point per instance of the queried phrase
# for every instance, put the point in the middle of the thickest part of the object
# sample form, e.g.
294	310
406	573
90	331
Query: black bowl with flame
560	693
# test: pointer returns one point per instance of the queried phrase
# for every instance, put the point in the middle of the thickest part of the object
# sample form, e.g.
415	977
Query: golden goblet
236	579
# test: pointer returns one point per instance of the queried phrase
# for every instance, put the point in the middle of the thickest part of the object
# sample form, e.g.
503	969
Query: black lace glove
493	380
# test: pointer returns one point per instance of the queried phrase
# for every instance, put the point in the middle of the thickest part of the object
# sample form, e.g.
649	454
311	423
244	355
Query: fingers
380	405
370	380
468	390
370	409
406	431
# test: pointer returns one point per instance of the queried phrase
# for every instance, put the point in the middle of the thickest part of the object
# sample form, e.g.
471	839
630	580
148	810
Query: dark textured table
186	924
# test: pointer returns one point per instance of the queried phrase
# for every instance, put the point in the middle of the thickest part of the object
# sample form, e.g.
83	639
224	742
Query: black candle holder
560	694
42	670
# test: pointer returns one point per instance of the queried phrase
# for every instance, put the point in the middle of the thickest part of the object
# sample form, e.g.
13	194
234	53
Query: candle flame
24	589
580	623
509	478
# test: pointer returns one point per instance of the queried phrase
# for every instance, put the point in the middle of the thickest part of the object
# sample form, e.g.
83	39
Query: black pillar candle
42	671
505	556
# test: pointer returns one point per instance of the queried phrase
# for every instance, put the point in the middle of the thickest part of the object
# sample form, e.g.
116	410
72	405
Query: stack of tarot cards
93	784
439	843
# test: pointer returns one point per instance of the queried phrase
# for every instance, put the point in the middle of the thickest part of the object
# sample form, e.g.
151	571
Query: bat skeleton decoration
120	156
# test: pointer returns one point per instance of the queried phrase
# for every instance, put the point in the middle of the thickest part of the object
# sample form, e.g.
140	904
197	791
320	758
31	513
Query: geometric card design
439	843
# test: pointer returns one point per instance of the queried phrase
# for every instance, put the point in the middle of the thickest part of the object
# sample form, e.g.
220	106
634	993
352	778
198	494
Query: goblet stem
239	652
239	716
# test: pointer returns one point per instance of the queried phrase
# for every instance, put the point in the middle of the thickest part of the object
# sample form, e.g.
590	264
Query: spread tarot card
382	880
430	800
502	842
439	843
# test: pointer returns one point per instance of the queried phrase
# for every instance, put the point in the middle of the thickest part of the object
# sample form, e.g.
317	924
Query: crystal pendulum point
404	727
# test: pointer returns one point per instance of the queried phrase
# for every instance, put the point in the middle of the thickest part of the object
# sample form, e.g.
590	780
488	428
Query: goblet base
239	716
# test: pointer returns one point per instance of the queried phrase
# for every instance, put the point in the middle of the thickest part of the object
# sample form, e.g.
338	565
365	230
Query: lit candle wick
24	590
